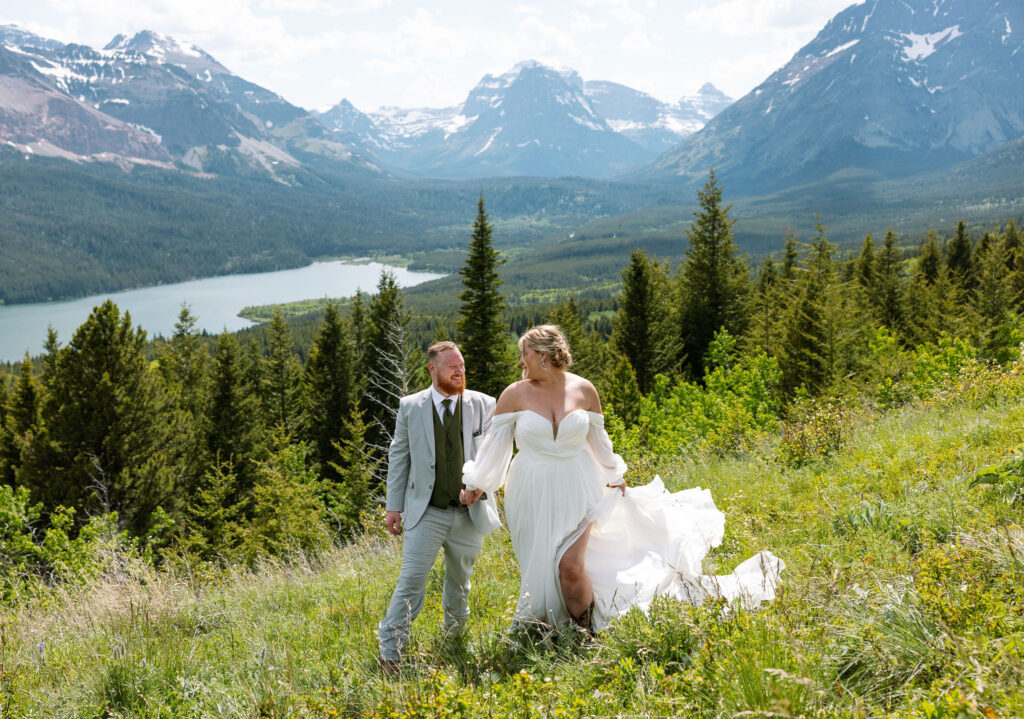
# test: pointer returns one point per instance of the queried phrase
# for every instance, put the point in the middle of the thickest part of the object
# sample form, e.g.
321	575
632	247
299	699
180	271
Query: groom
437	429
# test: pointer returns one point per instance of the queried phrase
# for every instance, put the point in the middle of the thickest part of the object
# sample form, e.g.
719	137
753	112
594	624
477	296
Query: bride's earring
542	365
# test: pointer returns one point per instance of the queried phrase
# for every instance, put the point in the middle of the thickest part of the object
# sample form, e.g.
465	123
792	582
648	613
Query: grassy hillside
903	596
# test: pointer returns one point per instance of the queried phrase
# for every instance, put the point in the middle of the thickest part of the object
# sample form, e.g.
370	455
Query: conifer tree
215	516
1011	244
714	280
888	288
230	423
346	497
482	336
641	310
770	305
993	297
388	364
822	330
20	419
930	258
624	394
864	271
184	364
281	376
106	417
329	393
933	308
790	256
960	259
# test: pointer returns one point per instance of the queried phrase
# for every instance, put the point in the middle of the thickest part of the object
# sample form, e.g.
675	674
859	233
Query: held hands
393	521
621	487
468	496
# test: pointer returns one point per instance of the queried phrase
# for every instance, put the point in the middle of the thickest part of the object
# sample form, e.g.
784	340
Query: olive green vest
447	458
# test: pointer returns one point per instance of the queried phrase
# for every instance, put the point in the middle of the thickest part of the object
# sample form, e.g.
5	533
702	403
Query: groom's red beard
452	386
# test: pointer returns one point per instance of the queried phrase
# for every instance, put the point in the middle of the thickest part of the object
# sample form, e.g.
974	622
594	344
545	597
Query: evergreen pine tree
624	394
864	271
714	280
960	259
21	420
107	421
481	334
184	364
888	289
1011	243
350	494
230	424
329	393
388	364
770	304
790	256
215	516
930	258
281	376
641	309
993	296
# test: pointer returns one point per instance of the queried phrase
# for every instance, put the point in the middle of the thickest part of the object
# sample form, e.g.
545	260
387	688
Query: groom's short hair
438	347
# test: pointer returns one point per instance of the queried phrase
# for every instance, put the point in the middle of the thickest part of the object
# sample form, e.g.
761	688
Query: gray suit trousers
450	529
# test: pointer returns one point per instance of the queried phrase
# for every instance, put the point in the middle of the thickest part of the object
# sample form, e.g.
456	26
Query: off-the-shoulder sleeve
610	465
487	471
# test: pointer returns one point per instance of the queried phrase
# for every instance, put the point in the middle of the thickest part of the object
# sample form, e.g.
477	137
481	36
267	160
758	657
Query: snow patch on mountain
921	46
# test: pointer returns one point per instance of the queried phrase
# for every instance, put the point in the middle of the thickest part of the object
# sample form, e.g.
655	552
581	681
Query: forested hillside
193	528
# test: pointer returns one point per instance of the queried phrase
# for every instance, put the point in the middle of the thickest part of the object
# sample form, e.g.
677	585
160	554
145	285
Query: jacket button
412	486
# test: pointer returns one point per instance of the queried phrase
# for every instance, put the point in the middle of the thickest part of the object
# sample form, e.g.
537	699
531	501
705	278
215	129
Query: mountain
533	120
152	99
891	87
655	125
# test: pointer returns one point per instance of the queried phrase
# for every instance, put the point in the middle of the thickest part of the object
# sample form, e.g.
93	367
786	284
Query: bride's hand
467	497
620	487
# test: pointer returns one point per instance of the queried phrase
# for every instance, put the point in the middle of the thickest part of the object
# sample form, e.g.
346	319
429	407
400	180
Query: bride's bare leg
576	589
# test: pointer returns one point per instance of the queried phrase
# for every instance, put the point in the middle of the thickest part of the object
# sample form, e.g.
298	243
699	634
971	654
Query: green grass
903	596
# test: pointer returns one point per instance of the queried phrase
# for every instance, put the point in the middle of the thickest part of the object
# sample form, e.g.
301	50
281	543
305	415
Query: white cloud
528	9
638	41
324	7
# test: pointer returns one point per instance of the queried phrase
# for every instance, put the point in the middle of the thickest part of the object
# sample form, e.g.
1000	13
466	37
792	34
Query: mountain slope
895	87
151	98
533	120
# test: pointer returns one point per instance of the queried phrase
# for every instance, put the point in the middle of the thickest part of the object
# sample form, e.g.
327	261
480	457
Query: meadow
903	595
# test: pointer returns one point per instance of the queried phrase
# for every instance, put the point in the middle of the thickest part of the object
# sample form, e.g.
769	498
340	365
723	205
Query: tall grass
903	596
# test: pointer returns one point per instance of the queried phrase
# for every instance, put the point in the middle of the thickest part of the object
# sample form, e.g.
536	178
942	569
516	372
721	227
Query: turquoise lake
215	302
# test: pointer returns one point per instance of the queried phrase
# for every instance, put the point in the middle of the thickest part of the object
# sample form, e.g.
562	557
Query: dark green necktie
447	417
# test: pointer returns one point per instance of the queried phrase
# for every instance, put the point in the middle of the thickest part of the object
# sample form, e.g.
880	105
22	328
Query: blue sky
414	54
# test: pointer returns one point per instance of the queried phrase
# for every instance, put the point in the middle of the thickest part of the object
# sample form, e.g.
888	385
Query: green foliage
482	336
59	556
286	514
714	282
330	391
642	310
1006	479
105	421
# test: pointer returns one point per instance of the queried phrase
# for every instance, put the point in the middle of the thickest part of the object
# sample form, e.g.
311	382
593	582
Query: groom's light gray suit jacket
411	456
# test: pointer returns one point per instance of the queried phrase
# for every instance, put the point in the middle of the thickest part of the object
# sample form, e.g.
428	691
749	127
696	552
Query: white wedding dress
647	543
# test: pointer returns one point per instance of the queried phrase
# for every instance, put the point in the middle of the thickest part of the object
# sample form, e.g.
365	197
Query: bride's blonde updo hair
548	340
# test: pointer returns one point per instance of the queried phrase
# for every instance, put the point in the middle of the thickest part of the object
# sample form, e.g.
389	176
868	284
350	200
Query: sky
408	53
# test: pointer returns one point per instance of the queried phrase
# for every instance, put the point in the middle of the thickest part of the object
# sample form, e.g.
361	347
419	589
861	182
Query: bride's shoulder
587	392
511	398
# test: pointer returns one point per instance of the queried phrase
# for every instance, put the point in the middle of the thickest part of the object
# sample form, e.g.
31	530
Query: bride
588	548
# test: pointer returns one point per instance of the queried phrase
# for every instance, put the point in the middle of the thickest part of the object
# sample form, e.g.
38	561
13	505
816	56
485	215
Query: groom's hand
467	497
393	521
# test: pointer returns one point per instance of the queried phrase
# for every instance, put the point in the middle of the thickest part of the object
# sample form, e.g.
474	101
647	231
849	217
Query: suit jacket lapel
426	412
467	427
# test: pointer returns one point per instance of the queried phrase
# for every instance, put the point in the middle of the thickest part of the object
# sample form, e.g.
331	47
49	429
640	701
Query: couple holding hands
588	549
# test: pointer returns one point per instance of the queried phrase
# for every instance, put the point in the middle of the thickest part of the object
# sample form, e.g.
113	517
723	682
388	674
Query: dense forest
71	230
829	399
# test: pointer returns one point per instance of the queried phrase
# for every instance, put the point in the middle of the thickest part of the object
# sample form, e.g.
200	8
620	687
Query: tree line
228	449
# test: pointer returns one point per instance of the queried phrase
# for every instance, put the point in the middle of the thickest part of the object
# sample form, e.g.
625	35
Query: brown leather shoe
391	668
